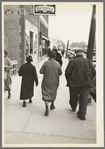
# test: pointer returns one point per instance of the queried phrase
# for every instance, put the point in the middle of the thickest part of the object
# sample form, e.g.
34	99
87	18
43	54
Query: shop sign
44	9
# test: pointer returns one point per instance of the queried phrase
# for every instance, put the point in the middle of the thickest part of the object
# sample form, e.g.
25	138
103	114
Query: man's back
81	72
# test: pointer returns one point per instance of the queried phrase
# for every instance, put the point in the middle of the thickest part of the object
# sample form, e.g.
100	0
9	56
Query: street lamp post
91	40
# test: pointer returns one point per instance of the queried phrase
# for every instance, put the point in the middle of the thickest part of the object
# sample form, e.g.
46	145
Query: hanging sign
44	9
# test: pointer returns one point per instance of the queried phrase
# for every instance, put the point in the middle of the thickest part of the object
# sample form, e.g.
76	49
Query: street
29	125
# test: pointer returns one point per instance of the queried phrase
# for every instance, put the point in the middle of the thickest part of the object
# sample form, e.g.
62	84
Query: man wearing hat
70	54
79	74
51	71
29	76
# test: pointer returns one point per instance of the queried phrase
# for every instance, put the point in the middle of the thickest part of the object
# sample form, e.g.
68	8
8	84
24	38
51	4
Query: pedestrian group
79	75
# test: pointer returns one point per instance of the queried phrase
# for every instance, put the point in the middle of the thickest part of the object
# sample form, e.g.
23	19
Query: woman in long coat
29	75
7	76
51	71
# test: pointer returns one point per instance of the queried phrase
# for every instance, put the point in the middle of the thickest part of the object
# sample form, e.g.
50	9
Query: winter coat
29	75
51	71
80	72
59	58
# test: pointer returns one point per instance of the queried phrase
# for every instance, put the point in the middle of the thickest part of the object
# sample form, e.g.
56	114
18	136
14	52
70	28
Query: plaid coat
79	72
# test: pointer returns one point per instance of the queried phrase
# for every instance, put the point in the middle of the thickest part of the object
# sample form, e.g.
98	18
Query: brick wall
12	30
34	19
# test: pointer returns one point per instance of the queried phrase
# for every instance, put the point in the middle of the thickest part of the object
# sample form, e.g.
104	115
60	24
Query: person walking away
48	52
7	76
58	57
79	74
70	58
29	76
70	54
51	71
63	52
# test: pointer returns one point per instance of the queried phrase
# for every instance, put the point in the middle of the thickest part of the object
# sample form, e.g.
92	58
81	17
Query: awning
44	37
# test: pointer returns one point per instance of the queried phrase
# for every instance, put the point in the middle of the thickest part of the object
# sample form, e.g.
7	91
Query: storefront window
26	44
43	47
35	44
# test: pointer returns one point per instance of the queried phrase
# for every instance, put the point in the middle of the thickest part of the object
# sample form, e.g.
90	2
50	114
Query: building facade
24	33
44	41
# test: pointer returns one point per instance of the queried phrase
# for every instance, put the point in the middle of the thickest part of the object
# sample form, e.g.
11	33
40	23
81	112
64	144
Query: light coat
7	79
51	71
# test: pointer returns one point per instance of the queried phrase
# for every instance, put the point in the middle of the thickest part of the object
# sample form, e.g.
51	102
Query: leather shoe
82	118
73	110
52	107
24	104
30	100
46	113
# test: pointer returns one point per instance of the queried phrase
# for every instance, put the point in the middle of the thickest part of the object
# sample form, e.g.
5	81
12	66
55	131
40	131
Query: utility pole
91	40
92	34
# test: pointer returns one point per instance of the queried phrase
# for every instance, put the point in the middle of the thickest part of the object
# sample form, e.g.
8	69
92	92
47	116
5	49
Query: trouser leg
74	91
84	91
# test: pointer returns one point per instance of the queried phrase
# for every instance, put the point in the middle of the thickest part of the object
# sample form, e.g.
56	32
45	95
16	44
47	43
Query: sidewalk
30	126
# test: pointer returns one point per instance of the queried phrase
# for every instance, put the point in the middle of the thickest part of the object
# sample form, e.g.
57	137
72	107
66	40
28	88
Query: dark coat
29	75
59	58
93	89
80	72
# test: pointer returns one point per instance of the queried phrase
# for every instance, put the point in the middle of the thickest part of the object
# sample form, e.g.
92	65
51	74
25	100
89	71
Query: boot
52	106
30	100
24	104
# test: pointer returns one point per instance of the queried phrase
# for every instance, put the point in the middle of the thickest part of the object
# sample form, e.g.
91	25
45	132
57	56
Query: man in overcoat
58	57
51	71
79	74
29	76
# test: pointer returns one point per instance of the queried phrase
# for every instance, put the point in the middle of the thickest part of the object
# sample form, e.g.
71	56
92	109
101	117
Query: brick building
24	33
